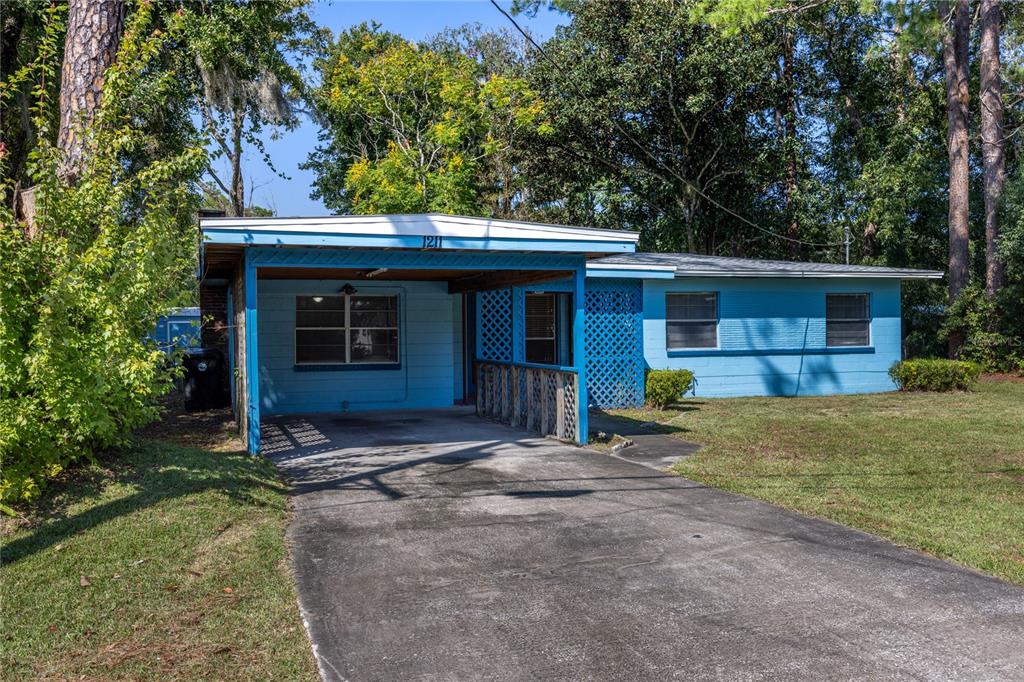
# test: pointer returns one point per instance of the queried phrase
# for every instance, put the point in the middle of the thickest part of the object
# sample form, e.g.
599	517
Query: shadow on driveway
435	545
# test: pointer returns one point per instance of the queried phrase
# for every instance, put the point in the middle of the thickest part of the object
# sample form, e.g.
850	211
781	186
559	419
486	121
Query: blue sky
414	19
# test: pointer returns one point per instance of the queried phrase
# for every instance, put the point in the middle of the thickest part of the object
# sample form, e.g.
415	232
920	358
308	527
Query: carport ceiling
459	281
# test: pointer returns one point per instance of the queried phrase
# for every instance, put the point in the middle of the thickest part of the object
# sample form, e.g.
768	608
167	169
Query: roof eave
316	224
800	274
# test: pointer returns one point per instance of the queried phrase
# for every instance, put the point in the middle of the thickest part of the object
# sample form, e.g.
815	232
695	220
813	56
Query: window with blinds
342	330
691	320
541	329
847	320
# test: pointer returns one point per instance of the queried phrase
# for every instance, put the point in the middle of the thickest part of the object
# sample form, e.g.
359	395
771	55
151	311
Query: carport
349	314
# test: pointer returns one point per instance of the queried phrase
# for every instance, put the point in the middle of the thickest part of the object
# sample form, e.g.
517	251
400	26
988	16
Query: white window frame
714	319
867	306
347	331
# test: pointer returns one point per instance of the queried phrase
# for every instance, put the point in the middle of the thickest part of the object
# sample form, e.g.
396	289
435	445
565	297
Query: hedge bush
667	386
934	375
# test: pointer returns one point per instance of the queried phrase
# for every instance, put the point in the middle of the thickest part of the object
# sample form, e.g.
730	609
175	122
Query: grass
167	561
942	473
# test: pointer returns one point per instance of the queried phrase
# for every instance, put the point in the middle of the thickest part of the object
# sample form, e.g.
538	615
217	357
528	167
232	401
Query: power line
625	133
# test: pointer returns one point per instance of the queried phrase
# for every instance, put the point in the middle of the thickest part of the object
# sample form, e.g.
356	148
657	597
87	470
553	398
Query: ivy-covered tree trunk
93	35
992	140
955	62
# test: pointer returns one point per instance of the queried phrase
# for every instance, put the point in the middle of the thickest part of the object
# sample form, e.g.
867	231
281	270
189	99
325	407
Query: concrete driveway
436	546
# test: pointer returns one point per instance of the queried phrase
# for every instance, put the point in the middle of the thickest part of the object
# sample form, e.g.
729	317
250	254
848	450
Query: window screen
691	320
346	329
847	320
541	329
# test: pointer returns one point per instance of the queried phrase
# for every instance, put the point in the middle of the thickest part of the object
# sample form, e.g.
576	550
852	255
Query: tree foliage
654	113
247	62
409	129
114	250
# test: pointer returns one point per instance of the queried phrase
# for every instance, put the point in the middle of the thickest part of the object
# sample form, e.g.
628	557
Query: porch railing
534	397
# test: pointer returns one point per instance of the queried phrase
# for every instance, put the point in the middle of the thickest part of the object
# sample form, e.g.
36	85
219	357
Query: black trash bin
204	379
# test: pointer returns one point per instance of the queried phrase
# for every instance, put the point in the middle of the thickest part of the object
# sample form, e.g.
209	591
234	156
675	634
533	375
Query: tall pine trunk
94	34
789	123
992	143
954	59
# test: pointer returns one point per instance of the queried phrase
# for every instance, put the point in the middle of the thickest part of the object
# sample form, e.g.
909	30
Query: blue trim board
532	365
420	260
252	360
518	324
579	350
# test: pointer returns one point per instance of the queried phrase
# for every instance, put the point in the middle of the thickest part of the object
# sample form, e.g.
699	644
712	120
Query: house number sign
432	242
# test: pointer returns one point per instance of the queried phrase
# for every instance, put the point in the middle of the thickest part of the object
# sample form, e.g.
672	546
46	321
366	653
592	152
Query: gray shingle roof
696	265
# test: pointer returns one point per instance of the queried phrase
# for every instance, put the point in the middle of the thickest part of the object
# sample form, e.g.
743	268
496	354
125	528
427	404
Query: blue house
532	323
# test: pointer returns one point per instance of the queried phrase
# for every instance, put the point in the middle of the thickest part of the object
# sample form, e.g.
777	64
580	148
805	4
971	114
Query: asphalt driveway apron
437	546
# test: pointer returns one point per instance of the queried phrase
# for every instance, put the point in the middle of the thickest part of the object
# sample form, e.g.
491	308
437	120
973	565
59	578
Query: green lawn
167	561
943	473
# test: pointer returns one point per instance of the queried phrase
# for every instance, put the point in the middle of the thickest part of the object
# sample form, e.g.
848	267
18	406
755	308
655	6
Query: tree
955	54
23	25
408	129
501	60
90	45
664	124
117	248
246	61
992	140
91	40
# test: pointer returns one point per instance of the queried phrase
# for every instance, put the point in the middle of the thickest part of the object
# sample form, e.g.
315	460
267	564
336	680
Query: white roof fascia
416	225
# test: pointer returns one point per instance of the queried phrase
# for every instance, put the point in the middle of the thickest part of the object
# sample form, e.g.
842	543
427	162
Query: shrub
666	386
992	328
113	251
934	375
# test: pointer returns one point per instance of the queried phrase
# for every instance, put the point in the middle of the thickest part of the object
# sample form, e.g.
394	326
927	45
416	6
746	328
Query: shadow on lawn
157	471
622	425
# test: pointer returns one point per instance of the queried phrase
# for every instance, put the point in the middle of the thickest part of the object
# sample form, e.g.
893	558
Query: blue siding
771	336
458	361
426	377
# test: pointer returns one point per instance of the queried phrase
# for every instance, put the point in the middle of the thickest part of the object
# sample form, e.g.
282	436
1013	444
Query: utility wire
625	133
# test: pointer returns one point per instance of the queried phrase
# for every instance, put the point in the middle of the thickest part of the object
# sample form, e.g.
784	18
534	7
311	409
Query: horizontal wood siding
458	361
771	336
426	374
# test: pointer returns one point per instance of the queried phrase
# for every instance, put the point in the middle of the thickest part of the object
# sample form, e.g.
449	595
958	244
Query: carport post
579	346
252	365
518	324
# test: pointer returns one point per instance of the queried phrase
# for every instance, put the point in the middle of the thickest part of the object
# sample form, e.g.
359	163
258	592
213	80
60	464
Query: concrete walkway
437	546
649	447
